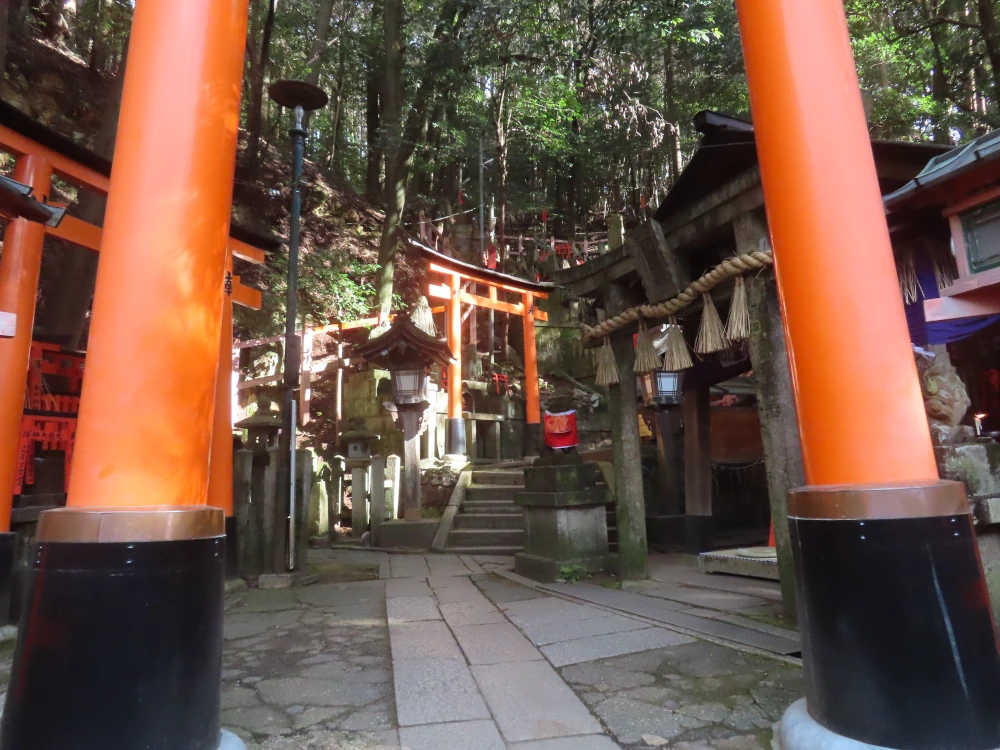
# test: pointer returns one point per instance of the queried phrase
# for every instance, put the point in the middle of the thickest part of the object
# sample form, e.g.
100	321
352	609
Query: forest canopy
582	106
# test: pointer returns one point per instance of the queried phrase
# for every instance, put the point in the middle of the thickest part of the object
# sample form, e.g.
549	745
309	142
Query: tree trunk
337	116
392	89
991	37
258	71
670	109
18	15
99	42
324	9
66	316
373	115
5	11
398	169
396	174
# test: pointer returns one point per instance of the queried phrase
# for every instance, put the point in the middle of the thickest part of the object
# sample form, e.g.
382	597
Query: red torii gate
40	153
456	272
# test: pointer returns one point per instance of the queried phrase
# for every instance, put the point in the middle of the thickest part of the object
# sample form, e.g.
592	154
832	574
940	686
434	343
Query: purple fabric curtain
923	333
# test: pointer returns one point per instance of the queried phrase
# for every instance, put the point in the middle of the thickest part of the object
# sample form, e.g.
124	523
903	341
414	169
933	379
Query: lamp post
300	97
661	388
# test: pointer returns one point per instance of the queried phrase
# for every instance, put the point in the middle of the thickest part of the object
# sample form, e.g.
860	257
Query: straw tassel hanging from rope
738	325
607	368
646	358
678	357
711	333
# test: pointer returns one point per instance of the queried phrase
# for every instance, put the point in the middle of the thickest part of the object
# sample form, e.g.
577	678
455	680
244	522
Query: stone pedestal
359	495
565	521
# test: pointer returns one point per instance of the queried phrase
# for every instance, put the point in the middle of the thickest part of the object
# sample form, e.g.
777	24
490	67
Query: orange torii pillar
20	264
899	647
123	626
220	476
455	434
533	419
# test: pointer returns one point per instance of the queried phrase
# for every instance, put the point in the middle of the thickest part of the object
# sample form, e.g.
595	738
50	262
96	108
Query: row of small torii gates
20	265
459	278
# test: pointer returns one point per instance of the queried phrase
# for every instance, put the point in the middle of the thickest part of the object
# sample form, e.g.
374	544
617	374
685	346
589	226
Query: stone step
492	491
488	521
486	537
491	506
513	478
484	550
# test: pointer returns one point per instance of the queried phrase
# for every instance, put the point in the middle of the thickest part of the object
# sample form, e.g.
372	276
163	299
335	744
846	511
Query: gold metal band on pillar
131	524
879	501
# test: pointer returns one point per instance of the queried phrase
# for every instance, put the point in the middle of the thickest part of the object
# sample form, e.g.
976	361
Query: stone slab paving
630	603
461	735
689	693
495	643
530	701
432	691
611	644
696	696
441	655
309	668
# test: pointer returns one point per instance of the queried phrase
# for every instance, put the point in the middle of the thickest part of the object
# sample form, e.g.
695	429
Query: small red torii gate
456	272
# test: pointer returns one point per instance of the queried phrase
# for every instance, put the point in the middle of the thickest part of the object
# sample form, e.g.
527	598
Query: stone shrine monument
565	523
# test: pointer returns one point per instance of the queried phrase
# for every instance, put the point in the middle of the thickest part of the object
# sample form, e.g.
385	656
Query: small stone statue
945	398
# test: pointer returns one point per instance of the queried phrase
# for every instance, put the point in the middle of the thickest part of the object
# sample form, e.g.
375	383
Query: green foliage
573	573
585	106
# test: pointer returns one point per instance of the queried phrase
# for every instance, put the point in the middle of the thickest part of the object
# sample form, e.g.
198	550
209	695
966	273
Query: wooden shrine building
713	212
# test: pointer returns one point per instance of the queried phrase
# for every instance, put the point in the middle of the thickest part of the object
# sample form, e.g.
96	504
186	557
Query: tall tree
258	57
374	73
991	38
321	28
442	56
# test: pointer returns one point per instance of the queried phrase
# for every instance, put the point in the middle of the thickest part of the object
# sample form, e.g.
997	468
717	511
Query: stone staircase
488	523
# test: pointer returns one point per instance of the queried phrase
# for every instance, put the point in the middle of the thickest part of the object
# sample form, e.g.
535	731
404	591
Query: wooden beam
246	296
246	252
972	304
697	468
78	232
481	280
719	197
244	384
17	144
84	234
718	216
440	291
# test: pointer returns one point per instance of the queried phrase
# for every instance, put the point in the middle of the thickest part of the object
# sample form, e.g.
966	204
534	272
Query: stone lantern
407	352
262	428
357	445
357	442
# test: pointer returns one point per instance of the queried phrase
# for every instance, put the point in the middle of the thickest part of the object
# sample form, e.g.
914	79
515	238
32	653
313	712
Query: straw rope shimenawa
735	266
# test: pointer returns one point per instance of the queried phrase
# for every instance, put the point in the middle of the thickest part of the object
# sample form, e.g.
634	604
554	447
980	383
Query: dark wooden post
630	506
378	514
247	510
669	464
779	427
410	495
697	470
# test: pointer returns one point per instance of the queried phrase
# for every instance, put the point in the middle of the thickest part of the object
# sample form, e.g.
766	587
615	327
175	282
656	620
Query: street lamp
660	388
300	97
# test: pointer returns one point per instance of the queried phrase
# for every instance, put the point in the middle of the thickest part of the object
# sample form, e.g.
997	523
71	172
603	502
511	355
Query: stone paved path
438	654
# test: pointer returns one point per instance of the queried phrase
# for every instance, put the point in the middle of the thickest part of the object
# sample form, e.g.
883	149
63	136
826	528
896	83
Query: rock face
964	458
